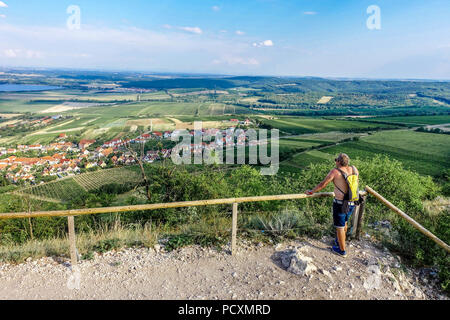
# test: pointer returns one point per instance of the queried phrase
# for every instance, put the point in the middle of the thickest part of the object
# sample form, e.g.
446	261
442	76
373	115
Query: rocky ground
292	270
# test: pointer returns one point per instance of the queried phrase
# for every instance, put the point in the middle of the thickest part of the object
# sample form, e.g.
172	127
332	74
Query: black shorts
339	217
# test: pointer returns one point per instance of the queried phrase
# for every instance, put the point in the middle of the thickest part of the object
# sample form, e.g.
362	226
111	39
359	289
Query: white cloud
133	48
215	8
310	13
240	33
3	5
19	53
30	54
10	53
265	43
195	30
236	60
2	16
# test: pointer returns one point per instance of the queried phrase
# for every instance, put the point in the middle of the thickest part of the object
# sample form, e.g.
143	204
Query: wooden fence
355	231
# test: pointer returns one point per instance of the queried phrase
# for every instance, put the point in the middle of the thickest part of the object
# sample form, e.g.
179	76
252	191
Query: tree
139	156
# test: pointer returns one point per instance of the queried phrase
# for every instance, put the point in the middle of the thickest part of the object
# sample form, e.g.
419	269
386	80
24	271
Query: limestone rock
296	262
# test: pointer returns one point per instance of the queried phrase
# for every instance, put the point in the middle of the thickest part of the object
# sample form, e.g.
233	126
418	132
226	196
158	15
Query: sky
407	39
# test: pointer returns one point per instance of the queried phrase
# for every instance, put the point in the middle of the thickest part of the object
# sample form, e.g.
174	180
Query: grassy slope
66	189
416	120
424	152
301	125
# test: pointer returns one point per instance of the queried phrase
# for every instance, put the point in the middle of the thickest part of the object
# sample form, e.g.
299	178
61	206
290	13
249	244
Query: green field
304	159
288	144
59	190
301	125
426	153
415	120
95	180
66	189
22	106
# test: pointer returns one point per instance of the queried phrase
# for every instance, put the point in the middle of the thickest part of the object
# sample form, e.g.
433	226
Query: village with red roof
64	158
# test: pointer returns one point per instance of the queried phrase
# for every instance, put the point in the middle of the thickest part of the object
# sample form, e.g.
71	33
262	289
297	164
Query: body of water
25	87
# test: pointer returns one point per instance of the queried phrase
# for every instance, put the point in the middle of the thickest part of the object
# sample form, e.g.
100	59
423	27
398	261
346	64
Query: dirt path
46	130
443	127
198	273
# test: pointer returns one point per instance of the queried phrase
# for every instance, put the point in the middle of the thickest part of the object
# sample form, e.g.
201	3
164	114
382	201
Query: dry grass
107	238
4	124
437	206
324	99
9	115
67	106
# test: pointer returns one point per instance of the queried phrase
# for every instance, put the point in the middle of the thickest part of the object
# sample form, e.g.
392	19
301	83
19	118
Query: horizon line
106	70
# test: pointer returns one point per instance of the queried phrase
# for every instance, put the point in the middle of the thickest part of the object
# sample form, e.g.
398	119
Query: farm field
296	145
332	136
416	142
426	153
416	120
299	125
56	191
64	190
108	108
22	106
97	179
304	159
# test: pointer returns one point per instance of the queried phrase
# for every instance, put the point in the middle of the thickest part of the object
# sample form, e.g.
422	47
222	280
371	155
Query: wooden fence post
410	220
72	241
354	222
234	229
359	224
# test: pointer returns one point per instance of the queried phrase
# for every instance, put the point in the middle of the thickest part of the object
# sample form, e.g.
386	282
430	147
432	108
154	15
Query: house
62	136
85	143
50	160
112	143
158	134
106	152
246	122
26	161
35	147
167	134
91	165
47	121
27	178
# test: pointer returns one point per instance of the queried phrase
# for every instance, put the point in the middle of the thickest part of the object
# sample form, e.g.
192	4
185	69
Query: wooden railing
356	230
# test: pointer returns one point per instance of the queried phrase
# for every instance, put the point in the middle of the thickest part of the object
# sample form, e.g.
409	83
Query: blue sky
253	37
